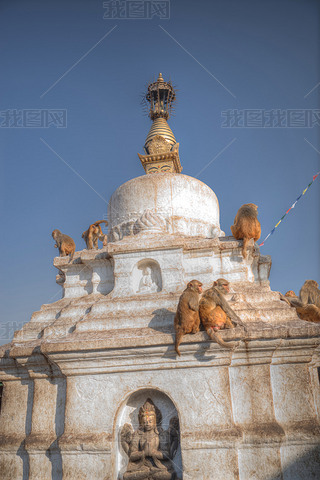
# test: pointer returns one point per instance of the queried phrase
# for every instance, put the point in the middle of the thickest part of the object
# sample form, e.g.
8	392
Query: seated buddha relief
150	448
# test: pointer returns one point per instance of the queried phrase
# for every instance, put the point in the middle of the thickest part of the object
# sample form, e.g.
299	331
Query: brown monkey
93	234
187	318
217	318
308	312
246	225
64	243
291	294
310	293
215	312
291	298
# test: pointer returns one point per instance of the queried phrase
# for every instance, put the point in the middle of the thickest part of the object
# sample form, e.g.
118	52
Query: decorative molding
166	161
148	221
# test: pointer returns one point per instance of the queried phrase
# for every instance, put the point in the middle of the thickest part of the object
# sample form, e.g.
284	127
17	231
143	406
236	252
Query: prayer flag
292	206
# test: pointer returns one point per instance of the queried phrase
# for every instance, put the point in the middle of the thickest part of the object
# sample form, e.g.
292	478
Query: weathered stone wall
247	414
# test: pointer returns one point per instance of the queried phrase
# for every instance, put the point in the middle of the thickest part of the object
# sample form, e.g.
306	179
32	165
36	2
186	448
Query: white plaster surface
188	205
80	368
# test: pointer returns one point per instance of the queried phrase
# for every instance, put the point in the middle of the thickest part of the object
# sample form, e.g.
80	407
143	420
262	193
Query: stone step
98	312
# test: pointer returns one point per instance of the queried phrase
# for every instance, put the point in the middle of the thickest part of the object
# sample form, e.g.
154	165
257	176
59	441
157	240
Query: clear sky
261	56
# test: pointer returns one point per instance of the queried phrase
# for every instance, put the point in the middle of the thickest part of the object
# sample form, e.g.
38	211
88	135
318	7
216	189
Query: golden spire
160	127
161	146
161	97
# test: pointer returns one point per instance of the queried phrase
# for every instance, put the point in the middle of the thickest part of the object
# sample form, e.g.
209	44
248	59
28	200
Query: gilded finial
160	96
161	147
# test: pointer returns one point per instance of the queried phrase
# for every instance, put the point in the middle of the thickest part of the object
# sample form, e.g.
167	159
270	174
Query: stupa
92	386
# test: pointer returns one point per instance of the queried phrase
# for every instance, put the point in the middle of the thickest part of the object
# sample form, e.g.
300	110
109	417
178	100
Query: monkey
246	225
310	293
291	294
187	318
64	243
93	234
217	318
291	299
308	312
215	312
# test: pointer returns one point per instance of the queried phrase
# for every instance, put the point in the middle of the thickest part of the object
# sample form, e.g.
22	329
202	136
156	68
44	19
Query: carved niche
146	277
150	443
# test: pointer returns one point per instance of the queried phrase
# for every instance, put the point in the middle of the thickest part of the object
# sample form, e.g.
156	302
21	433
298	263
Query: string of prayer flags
292	206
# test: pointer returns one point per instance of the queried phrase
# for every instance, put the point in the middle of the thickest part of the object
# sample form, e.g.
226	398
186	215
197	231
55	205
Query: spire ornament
161	147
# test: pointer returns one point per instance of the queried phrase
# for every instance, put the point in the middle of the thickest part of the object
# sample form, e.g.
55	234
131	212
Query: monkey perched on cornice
216	313
305	311
187	318
93	234
246	225
64	243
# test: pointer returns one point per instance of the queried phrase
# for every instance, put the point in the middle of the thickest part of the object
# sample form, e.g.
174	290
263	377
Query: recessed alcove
146	277
128	414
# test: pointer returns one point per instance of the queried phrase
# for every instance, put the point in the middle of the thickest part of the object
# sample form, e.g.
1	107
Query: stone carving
61	277
158	145
150	448
116	233
146	277
148	221
147	285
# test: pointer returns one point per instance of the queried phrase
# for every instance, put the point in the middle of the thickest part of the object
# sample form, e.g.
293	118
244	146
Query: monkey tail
101	221
282	297
179	336
217	337
244	247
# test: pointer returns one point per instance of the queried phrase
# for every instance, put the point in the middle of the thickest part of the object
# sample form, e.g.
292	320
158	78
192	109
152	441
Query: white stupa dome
169	202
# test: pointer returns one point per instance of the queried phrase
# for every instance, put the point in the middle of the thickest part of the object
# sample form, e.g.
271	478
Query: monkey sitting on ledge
307	312
64	243
187	318
246	225
216	313
310	293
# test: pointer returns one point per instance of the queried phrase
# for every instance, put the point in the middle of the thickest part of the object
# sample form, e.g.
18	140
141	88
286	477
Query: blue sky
222	55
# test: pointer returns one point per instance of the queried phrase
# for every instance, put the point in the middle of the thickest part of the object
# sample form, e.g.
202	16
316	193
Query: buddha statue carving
147	285
150	448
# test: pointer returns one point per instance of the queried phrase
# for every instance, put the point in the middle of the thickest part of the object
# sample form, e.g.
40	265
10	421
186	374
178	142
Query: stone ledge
40	442
145	337
82	255
9	442
157	241
146	348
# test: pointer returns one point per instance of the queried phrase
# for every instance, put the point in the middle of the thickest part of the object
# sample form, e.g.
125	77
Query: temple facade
92	386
